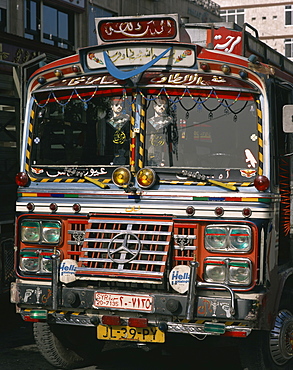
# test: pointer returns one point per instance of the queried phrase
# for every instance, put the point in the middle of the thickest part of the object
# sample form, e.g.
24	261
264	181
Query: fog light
146	177
121	176
172	305
72	299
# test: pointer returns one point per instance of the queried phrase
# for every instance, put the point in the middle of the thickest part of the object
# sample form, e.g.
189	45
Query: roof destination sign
158	27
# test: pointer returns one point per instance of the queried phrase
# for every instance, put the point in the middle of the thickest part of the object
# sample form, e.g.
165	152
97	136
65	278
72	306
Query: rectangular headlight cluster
231	271
40	231
36	260
228	238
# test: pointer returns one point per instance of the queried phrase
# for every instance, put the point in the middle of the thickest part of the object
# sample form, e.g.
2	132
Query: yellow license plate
128	333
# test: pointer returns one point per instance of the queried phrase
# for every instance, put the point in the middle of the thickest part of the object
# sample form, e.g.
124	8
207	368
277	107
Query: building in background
40	31
272	19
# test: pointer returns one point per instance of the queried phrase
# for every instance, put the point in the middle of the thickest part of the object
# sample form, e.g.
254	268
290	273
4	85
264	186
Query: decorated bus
154	193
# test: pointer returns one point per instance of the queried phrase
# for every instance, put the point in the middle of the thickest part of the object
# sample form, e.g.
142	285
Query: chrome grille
185	241
127	249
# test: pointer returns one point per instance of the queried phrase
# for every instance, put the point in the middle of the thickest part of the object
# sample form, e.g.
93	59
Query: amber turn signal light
121	176
146	178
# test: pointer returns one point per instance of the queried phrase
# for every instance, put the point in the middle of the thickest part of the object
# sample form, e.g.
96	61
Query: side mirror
288	118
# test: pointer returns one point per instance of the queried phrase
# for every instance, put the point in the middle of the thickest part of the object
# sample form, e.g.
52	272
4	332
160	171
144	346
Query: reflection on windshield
95	133
201	133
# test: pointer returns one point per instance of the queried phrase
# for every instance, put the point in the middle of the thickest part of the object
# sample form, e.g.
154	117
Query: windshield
201	133
80	131
181	132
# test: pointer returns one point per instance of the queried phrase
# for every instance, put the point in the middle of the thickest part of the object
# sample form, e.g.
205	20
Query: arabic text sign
226	40
157	28
181	56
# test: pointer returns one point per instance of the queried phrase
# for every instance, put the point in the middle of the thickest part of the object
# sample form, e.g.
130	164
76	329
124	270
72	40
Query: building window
288	15
289	48
96	12
233	15
49	24
32	22
3	20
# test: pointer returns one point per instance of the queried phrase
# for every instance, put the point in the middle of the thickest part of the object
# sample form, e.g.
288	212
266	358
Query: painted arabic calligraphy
229	45
187	79
140	55
131	54
102	80
132	209
72	172
153	28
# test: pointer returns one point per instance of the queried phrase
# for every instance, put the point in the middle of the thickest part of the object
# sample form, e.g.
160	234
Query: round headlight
239	273
29	261
146	177
121	176
47	264
216	238
30	231
240	238
51	232
215	273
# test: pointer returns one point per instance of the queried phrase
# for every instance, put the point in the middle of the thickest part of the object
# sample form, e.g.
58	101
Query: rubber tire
66	346
255	351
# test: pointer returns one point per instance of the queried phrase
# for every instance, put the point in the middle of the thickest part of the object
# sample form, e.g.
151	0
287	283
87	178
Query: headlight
239	273
228	238
29	261
215	271
36	260
40	232
216	237
30	231
228	271
51	232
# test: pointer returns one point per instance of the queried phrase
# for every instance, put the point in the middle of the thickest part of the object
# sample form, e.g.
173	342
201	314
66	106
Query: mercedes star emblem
124	247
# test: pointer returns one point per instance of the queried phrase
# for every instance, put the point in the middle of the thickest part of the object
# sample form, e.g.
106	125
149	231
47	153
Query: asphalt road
18	351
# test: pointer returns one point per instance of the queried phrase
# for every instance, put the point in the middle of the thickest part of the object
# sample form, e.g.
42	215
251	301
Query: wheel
66	346
270	350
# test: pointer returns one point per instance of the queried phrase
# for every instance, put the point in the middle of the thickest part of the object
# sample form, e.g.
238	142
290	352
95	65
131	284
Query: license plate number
133	302
127	333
